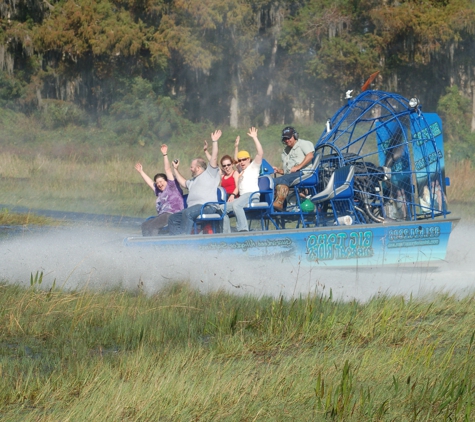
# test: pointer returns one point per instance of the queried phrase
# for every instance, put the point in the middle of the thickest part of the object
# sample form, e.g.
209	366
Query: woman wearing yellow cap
247	184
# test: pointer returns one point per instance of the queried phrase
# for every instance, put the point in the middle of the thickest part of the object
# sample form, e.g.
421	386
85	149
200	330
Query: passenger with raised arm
236	150
205	150
169	196
247	184
202	188
296	156
229	177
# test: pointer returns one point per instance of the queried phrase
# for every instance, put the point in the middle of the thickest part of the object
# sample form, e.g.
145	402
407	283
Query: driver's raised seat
308	179
308	176
307	185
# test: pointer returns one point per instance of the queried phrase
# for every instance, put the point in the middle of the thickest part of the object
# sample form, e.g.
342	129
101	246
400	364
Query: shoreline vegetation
183	355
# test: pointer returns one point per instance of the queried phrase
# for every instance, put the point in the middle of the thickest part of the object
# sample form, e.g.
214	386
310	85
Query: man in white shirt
296	156
202	188
247	184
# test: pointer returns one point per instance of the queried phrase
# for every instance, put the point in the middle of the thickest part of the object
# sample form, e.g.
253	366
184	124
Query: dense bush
10	89
55	114
456	113
143	116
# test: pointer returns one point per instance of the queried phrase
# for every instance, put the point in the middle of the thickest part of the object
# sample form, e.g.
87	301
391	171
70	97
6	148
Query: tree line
229	62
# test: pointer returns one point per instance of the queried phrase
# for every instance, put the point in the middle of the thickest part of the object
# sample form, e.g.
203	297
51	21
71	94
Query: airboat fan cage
398	156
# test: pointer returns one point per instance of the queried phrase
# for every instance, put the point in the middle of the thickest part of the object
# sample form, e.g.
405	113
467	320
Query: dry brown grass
111	185
461	192
462	181
8	218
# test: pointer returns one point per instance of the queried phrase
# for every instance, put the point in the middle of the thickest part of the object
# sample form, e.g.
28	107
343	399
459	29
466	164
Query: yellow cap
243	154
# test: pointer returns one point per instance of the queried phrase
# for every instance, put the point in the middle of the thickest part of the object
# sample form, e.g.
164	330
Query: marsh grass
8	218
72	176
86	170
69	174
110	184
461	193
183	355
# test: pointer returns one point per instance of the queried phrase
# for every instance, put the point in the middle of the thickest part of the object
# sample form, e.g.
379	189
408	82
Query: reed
182	355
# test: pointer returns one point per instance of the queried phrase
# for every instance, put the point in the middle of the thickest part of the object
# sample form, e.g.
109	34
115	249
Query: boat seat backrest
222	197
260	202
264	194
265	183
343	183
339	185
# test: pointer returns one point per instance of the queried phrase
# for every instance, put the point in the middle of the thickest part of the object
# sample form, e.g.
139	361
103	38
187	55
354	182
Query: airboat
377	194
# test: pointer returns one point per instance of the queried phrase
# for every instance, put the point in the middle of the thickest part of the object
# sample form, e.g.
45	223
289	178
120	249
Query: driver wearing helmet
296	156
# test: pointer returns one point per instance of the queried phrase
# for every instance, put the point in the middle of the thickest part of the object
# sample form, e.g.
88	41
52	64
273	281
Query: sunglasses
243	159
285	139
226	165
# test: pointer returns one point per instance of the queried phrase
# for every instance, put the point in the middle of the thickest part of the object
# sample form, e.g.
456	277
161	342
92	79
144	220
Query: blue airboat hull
356	245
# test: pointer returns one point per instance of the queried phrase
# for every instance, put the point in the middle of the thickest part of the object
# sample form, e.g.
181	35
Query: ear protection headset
288	132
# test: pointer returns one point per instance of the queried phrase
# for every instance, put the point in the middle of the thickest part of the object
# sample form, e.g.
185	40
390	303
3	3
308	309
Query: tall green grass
182	355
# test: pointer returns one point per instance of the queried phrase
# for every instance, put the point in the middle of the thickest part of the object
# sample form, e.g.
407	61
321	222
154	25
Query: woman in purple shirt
169	197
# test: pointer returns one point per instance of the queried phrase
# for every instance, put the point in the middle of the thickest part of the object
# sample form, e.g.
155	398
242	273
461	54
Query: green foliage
143	117
8	218
345	61
426	28
11	89
340	54
99	27
56	114
267	58
455	110
36	280
460	151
